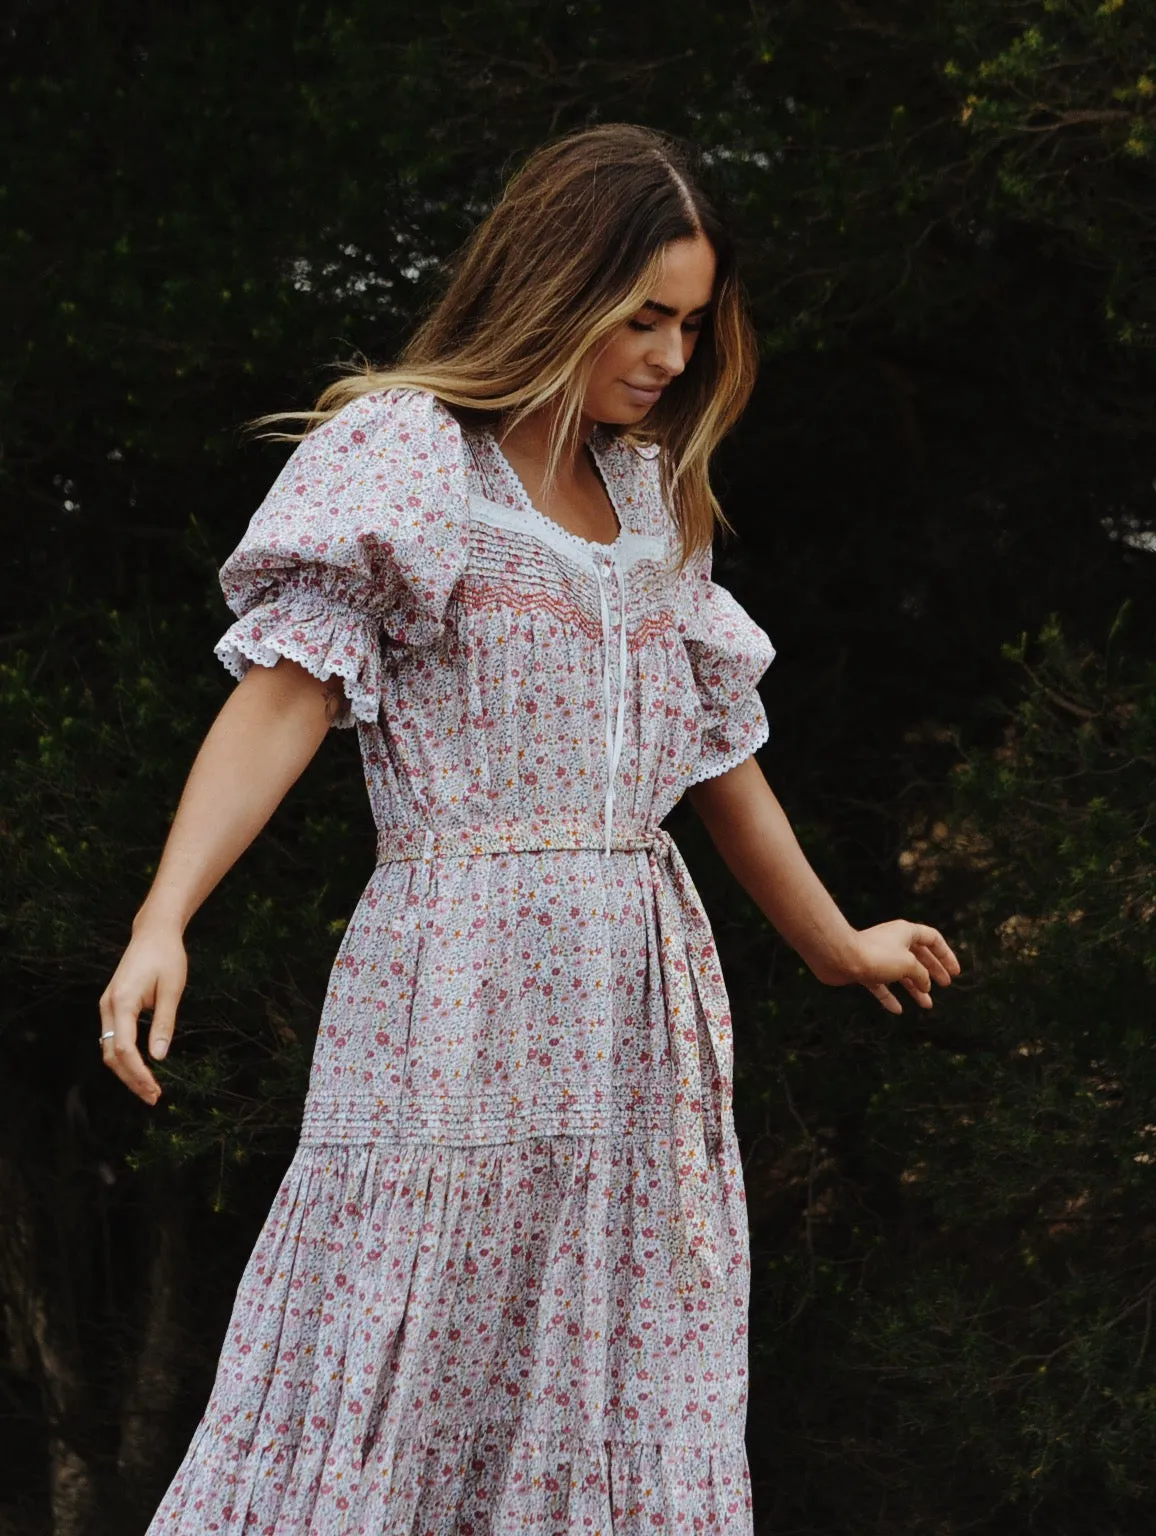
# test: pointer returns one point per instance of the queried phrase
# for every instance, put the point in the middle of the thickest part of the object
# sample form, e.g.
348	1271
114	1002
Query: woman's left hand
911	954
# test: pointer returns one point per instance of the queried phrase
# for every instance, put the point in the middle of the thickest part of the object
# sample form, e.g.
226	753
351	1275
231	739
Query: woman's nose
667	353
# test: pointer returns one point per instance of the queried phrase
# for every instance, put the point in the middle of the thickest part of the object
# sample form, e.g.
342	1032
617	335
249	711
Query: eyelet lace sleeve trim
754	733
308	620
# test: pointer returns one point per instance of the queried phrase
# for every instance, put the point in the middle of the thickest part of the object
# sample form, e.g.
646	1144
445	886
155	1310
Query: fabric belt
693	988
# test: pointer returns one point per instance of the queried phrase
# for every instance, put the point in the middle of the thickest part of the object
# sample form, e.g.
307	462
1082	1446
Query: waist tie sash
692	985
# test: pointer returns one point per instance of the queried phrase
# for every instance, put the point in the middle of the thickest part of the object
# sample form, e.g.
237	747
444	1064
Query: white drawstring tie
613	733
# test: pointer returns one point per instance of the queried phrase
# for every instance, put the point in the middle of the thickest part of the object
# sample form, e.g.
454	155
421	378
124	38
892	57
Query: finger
924	999
917	973
938	971
164	1021
885	996
107	1026
933	940
121	1053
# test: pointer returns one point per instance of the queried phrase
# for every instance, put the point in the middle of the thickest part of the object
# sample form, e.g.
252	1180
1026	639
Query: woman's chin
619	415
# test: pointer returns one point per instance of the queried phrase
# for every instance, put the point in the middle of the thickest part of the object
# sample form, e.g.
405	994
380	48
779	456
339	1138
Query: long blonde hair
571	252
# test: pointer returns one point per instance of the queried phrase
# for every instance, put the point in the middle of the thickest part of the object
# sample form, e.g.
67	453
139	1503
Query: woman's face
650	350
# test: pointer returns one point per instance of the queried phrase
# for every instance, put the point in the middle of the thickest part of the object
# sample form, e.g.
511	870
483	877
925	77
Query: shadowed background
943	498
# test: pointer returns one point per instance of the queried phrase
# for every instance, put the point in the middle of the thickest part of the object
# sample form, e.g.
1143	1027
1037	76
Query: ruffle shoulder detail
728	654
359	543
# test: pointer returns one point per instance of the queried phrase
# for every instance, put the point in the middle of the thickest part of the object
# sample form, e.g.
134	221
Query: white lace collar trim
626	551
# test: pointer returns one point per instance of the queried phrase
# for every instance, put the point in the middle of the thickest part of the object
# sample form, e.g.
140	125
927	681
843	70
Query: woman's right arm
258	746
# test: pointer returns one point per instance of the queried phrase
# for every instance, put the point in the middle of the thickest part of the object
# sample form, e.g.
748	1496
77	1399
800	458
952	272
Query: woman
504	1284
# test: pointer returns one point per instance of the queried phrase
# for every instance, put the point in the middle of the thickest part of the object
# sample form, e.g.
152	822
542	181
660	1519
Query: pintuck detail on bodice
607	564
397	552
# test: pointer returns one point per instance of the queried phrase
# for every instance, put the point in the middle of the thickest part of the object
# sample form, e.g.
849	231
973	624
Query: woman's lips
645	394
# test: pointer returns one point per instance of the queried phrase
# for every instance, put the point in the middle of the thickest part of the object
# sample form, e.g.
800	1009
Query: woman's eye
692	327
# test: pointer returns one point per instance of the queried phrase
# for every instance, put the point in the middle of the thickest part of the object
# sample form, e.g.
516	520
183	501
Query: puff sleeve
728	654
361	539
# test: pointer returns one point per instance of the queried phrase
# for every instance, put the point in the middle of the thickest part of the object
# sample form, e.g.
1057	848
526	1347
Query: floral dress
503	1287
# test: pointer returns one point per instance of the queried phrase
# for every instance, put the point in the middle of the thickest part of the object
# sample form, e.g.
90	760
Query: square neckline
519	497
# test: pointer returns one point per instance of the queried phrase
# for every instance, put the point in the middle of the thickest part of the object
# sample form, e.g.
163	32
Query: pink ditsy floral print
504	1284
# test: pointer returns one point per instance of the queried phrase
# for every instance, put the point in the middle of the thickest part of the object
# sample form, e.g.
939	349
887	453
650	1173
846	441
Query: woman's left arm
750	830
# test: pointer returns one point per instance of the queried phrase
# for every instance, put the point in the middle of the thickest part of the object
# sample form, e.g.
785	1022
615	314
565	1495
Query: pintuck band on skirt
701	1100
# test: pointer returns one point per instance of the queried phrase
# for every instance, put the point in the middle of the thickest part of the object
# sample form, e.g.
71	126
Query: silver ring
108	1035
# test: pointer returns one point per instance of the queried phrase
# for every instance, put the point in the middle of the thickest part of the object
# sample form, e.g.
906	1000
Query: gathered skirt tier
481	1340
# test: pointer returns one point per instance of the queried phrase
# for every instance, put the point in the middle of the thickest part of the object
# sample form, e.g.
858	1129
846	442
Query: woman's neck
530	439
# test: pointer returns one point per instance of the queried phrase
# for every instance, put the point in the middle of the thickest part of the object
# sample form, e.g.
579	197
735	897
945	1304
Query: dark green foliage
1018	1346
100	743
109	1206
946	219
954	1245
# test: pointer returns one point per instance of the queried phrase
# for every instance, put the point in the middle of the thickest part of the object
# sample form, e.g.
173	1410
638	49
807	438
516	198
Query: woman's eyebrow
669	309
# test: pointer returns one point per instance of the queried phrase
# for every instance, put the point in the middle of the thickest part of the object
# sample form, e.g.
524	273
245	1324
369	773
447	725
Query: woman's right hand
151	974
265	733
